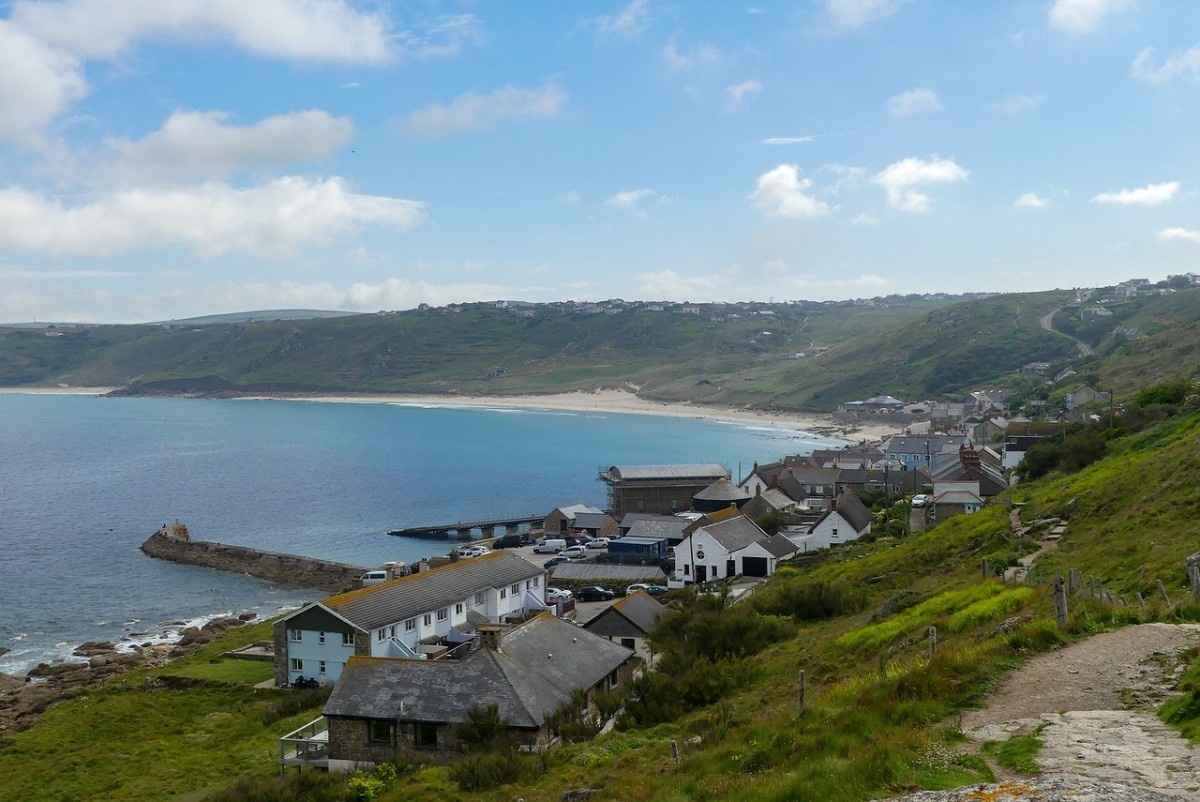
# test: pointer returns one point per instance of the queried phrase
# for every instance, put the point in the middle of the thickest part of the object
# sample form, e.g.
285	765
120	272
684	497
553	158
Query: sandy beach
612	401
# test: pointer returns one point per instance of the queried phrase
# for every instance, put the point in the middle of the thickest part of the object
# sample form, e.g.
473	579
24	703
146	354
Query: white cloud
1184	65
736	94
1083	16
628	23
787	140
570	198
904	180
851	15
704	55
914	101
865	219
472	111
1018	103
781	193
1180	233
629	199
1031	200
1149	195
271	220
670	286
202	145
392	293
36	84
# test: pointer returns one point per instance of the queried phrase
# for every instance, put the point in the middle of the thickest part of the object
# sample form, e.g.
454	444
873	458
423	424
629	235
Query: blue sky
167	159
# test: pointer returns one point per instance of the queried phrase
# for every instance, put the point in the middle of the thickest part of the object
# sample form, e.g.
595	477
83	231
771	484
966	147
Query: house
383	708
846	519
1084	395
595	524
727	548
423	615
955	498
771	501
968	466
628	621
924	450
659	489
674	528
719	495
1020	436
559	519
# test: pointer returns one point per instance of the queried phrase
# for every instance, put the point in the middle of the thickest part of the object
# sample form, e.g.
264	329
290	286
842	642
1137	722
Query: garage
754	566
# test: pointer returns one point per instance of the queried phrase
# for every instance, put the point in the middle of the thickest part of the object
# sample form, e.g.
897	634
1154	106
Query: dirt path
1096	698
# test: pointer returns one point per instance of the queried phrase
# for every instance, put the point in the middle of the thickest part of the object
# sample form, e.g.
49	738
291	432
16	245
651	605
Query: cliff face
172	543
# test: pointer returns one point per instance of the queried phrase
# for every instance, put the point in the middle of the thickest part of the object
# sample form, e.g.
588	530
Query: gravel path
1102	740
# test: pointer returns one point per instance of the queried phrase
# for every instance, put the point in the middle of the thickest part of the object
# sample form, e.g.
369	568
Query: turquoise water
84	480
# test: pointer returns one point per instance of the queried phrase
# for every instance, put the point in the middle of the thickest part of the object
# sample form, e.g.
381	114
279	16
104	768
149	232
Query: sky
162	159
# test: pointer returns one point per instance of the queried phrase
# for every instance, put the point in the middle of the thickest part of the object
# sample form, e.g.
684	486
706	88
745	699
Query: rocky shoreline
23	699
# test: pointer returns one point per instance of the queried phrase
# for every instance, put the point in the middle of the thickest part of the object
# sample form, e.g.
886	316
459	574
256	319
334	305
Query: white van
551	545
374	577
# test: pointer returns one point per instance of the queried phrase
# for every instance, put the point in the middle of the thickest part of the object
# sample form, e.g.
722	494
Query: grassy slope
879	717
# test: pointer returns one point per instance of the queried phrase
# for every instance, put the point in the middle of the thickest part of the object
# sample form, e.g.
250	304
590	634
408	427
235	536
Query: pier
462	530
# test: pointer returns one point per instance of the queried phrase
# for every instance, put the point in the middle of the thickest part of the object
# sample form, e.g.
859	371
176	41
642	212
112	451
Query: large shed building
663	489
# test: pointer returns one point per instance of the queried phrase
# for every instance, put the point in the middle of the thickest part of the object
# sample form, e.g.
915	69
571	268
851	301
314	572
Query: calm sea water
84	480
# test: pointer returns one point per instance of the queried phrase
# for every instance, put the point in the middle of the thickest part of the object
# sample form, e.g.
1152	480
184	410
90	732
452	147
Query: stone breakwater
173	543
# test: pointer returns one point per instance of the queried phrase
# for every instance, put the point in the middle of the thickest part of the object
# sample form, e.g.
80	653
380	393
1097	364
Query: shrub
491	770
483	728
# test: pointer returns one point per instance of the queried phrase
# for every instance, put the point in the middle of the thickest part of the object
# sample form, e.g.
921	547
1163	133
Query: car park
595	593
557	594
920	500
598	543
574	552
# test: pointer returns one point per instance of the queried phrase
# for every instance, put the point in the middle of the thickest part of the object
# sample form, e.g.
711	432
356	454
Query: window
443	613
381	635
516	589
536	581
410	625
320	637
687	569
504	593
427	619
297	664
379	731
347	638
528	584
458	609
392	631
296	634
321	667
425	735
479	598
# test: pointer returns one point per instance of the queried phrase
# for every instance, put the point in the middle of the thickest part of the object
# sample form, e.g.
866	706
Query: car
573	552
550	545
557	594
657	590
474	551
598	543
595	593
920	500
553	561
636	586
510	541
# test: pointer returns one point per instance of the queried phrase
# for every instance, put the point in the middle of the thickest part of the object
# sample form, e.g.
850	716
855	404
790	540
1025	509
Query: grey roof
632	518
852	510
638	613
659	529
735	533
599	572
916	445
708	470
571	510
377	605
778	546
722	490
590	520
537	667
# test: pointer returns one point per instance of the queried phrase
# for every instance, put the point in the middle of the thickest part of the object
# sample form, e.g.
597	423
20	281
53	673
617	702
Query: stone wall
173	543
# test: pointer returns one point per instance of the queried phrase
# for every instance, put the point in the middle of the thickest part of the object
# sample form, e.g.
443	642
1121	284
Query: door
701	573
731	568
754	566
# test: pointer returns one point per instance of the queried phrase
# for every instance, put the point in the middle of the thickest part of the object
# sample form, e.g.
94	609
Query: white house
846	519
420	616
735	546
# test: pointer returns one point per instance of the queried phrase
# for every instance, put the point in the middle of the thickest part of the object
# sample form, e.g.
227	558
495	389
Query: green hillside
880	713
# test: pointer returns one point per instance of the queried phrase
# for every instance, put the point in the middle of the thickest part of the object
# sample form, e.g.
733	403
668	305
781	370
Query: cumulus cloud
904	181
704	55
850	15
629	199
670	286
36	84
737	94
787	140
628	23
1018	103
472	111
201	145
1180	233
271	220
1082	16
914	101
1031	200
1184	65
782	193
1149	195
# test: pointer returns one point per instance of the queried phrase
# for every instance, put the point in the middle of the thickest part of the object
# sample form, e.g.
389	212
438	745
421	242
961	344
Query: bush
487	771
807	601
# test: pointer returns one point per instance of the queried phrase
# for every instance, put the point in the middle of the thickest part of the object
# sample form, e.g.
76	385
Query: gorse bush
491	770
807	600
290	703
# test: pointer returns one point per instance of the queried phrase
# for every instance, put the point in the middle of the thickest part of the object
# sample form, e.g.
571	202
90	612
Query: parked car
374	577
510	541
657	590
474	551
920	500
596	593
553	561
574	552
557	594
598	543
636	586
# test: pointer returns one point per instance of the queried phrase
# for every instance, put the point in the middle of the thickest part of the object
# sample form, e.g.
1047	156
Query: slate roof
573	510
639	609
708	470
599	572
778	546
735	533
722	490
852	511
659	528
589	520
377	605
538	665
777	498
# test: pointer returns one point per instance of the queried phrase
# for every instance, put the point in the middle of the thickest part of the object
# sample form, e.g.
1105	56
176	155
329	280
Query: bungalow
955	498
629	621
424	615
383	708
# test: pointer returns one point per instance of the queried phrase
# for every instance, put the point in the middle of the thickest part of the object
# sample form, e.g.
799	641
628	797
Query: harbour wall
173	543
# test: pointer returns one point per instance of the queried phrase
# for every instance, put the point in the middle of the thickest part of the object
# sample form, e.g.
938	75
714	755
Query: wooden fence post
932	642
1072	581
1162	590
801	690
1060	602
1141	600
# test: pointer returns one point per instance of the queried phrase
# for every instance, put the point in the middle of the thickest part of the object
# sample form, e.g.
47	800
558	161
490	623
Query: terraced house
428	615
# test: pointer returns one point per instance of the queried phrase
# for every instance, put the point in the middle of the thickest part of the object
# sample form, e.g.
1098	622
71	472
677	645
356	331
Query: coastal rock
4	650
93	648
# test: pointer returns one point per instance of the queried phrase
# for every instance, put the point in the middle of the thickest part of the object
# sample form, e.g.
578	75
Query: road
1047	322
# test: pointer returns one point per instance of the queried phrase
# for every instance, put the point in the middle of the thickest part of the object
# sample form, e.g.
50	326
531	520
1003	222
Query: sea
85	479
